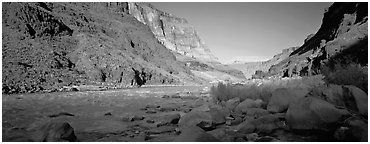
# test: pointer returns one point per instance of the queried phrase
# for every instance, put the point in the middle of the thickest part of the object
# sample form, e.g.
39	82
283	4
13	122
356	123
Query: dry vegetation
263	91
352	74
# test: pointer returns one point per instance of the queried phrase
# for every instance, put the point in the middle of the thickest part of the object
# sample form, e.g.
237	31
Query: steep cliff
50	45
173	32
342	36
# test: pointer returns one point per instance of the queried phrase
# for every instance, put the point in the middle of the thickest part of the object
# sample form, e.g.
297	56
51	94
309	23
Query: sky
249	30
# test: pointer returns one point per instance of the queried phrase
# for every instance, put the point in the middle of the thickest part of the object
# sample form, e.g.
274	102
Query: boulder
346	96
197	118
267	139
160	130
310	113
354	129
282	97
168	119
219	115
232	103
248	103
204	108
264	124
255	112
359	96
131	118
222	135
55	132
252	137
195	134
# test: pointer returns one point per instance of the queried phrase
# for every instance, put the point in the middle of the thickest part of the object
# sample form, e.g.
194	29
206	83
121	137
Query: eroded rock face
343	34
173	32
50	45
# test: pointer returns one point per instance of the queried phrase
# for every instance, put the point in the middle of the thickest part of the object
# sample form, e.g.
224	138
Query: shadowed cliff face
50	45
173	32
343	33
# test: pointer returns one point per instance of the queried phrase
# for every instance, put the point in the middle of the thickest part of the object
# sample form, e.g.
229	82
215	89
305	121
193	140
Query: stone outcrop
342	37
50	45
173	32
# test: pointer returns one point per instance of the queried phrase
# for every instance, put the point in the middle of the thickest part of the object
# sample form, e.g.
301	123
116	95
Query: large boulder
282	97
360	102
54	132
354	129
310	113
195	134
358	129
222	135
168	119
264	124
248	103
255	112
197	118
346	96
219	115
232	103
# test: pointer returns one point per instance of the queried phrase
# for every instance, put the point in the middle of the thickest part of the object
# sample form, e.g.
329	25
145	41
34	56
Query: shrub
351	74
224	92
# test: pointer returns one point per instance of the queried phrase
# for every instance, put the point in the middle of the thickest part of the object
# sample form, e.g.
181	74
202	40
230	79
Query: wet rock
61	114
166	96
195	134
168	119
177	95
248	103
197	118
160	130
150	121
282	97
131	118
167	109
264	124
309	113
151	111
55	132
108	114
152	106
